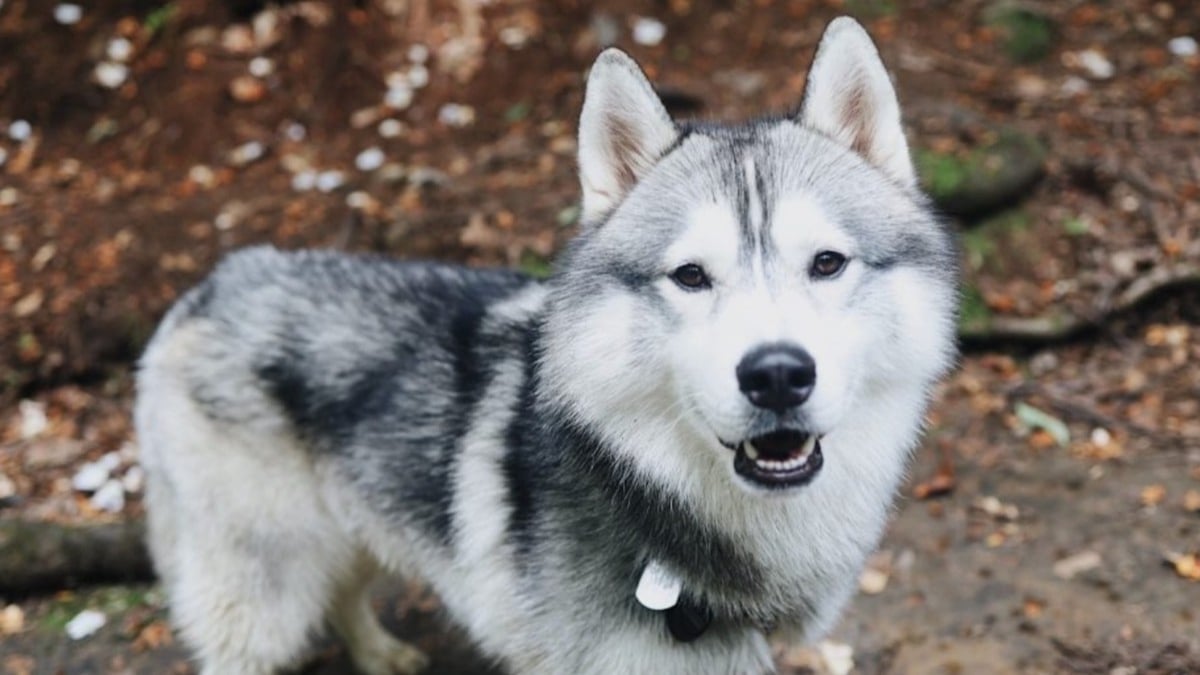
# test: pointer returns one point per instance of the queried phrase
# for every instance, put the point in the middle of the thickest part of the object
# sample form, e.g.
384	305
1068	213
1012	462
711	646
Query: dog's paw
393	658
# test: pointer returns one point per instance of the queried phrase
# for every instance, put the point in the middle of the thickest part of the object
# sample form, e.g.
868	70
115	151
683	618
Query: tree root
41	556
1057	327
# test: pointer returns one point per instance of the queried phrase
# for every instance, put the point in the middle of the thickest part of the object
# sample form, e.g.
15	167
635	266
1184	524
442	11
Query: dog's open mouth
780	459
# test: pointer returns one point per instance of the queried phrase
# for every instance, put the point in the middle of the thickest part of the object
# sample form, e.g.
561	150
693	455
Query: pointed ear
850	99
623	131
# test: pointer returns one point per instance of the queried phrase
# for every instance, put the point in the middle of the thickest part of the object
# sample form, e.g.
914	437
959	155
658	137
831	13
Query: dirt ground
1052	521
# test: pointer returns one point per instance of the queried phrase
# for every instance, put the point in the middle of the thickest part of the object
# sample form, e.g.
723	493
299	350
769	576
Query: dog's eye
827	264
691	276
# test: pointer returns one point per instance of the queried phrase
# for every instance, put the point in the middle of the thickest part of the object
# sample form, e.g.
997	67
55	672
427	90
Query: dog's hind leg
373	649
249	554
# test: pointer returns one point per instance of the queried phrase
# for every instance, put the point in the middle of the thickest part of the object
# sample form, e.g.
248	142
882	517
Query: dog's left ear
623	130
850	98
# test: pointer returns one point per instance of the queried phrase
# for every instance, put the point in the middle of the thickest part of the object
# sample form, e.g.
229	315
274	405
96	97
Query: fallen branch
40	556
1060	326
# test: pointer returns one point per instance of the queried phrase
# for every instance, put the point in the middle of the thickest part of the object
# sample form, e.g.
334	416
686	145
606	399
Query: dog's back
281	380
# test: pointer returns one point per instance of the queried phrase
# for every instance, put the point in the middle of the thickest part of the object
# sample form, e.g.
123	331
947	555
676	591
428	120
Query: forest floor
1052	519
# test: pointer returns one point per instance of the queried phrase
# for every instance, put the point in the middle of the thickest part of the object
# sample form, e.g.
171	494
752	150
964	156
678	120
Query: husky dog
687	438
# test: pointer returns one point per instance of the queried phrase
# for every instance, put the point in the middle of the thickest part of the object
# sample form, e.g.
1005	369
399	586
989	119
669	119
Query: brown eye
827	264
691	277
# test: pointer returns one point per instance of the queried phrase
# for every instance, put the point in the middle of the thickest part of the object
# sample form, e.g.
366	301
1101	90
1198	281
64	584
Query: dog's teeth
751	451
809	444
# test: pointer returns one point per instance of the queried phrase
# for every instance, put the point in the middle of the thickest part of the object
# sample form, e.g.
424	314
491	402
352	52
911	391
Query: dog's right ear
623	131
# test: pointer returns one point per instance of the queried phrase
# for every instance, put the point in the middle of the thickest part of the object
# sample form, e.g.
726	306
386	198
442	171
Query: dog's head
740	292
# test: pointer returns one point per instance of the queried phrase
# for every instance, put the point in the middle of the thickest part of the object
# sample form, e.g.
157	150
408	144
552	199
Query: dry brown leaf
1187	565
1191	501
156	634
942	483
1153	495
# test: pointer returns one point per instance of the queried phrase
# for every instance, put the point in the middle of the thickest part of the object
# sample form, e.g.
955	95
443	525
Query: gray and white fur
725	376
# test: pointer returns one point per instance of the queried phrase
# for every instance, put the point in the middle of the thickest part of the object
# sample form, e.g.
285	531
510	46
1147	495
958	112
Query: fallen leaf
942	482
1187	565
1037	419
1033	608
1153	495
156	634
1191	501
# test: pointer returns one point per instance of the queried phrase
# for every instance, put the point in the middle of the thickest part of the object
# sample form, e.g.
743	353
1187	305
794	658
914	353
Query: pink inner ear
624	150
858	119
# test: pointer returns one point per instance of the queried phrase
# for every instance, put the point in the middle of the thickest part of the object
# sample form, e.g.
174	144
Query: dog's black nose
777	376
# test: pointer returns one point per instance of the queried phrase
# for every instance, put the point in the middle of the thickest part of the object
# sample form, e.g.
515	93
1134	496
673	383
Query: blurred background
1052	520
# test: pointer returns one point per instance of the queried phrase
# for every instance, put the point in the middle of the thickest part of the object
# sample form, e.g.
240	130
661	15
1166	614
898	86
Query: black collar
688	619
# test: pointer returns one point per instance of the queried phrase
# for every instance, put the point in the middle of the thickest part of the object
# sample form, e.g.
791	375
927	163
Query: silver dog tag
658	589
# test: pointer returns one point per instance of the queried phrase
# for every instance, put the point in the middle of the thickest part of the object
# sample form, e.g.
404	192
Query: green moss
1076	226
159	18
1027	35
535	265
870	9
973	312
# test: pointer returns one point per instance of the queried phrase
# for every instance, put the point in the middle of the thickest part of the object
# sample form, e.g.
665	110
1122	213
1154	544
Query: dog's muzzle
779	459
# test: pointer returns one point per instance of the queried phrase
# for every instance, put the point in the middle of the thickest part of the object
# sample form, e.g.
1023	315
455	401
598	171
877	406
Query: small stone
648	32
365	117
361	201
247	89
1095	64
110	498
389	128
202	175
134	480
328	181
12	620
398	97
838	657
110	461
514	37
456	115
418	53
111	75
3	156
1074	86
67	13
261	66
295	132
872	581
369	159
33	418
294	163
247	153
9	196
29	305
1100	437
418	76
303	181
85	624
20	131
238	39
1071	566
1183	46
392	173
90	477
8	489
119	49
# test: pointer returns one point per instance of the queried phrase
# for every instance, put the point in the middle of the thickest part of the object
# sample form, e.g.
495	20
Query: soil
1015	548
